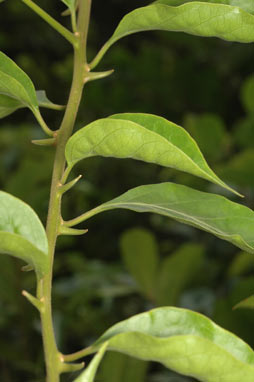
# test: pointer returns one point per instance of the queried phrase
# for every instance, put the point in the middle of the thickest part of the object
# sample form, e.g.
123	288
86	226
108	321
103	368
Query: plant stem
52	356
51	21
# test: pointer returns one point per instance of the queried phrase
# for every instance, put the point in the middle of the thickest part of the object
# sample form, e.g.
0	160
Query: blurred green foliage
118	268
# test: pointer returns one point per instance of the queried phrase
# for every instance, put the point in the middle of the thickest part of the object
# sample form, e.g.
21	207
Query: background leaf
21	233
144	137
140	254
176	272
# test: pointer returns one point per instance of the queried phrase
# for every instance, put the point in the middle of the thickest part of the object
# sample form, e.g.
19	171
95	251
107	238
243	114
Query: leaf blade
213	213
143	137
184	341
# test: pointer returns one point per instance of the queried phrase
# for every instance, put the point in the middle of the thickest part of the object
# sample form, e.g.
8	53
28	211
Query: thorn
63	230
27	268
91	76
44	142
33	300
66	187
70	367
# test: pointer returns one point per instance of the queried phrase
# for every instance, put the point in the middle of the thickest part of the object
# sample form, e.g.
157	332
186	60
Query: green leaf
43	101
22	234
184	341
9	105
212	213
209	19
247	303
140	254
89	374
176	272
16	84
144	137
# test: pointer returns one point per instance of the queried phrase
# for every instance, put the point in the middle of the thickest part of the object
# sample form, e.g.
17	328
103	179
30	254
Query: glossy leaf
89	374
140	254
212	213
22	234
144	137
176	272
184	341
16	84
209	19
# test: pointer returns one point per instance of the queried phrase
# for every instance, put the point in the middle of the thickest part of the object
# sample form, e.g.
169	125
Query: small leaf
22	234
16	84
212	213
140	254
89	374
43	101
247	303
144	137
184	341
209	19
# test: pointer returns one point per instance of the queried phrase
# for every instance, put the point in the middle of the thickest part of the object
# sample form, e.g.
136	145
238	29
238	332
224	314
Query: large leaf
184	341
212	213
209	19
22	234
144	137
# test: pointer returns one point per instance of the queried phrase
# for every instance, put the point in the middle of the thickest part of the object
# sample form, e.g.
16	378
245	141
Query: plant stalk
52	356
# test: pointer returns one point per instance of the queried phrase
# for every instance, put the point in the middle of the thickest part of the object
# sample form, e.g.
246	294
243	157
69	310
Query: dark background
205	85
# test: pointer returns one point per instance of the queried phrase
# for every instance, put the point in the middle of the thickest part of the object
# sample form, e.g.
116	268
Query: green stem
52	356
52	22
